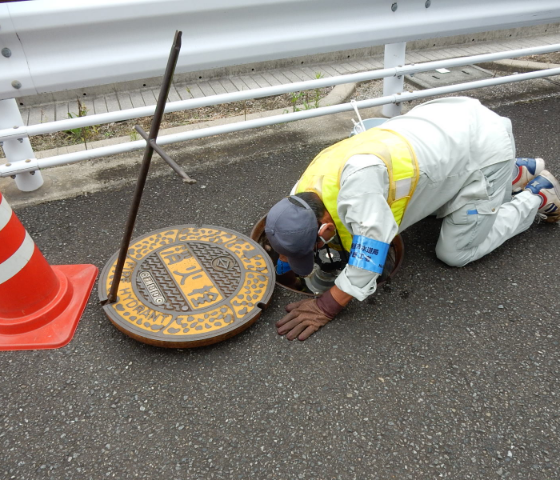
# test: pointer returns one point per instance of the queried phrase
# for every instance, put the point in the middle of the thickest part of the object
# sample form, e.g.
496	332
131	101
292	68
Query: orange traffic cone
40	305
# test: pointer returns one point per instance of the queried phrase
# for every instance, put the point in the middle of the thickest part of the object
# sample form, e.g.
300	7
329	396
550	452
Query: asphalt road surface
445	373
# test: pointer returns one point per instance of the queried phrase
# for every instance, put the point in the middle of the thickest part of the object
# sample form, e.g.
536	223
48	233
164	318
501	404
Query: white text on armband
368	254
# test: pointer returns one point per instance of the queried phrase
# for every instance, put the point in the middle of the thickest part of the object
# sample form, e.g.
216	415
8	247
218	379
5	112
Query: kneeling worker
452	157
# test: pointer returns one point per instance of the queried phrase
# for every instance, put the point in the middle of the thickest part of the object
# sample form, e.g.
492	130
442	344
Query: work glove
307	316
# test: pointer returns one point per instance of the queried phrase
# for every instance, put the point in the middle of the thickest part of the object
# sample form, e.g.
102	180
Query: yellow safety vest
323	174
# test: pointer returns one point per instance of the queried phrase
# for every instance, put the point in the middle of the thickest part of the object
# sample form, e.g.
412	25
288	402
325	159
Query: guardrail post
17	149
394	57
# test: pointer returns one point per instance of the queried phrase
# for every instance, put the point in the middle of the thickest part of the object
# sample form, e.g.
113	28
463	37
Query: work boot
548	188
526	170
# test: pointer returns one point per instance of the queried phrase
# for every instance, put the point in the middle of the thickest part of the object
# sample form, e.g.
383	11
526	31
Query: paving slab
281	77
191	91
217	87
247	80
186	91
227	85
137	99
239	83
150	98
112	102
261	81
48	113
61	111
125	101
100	105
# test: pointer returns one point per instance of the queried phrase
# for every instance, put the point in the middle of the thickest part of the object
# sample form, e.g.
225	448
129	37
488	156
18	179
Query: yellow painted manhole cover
188	286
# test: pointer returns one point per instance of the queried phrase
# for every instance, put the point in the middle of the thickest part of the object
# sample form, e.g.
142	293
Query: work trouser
481	226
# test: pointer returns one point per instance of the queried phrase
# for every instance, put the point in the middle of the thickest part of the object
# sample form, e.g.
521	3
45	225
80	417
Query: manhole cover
188	286
448	76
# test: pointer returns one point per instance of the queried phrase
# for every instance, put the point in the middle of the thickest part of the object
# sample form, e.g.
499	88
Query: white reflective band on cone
5	213
13	265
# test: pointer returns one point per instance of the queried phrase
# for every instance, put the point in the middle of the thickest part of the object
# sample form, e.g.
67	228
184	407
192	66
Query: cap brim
302	266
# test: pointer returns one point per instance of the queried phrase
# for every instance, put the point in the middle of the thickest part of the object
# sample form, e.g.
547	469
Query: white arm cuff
367	279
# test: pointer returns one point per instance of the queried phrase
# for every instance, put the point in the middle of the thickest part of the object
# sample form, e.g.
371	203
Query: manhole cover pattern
187	286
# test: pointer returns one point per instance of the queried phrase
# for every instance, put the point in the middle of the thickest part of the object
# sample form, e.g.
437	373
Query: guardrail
54	45
31	164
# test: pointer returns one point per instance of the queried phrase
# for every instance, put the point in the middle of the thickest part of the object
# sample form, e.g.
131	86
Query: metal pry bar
172	163
148	153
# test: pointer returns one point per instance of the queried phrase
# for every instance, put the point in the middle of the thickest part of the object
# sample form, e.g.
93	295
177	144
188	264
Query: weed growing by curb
82	133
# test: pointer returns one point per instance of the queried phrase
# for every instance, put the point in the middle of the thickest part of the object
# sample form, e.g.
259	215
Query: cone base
60	330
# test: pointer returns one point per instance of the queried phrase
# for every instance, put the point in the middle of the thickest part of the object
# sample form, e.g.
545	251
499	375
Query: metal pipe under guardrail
25	166
51	127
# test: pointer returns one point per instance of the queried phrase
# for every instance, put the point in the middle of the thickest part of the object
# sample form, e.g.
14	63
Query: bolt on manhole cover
188	286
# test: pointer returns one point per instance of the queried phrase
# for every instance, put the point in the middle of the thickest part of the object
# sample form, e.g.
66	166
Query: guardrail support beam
394	57
18	149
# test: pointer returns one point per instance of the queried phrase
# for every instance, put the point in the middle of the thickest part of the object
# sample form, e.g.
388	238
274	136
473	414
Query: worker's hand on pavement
307	316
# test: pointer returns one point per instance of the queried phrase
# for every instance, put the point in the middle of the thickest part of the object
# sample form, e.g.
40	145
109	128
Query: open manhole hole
321	280
189	286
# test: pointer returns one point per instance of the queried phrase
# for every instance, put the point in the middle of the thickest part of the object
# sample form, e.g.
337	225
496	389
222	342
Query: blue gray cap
291	230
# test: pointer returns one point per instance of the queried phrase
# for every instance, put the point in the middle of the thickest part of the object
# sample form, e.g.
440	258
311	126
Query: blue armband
282	267
368	254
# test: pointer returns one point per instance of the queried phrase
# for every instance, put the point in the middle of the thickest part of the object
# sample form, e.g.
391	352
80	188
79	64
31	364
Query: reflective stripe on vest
323	174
